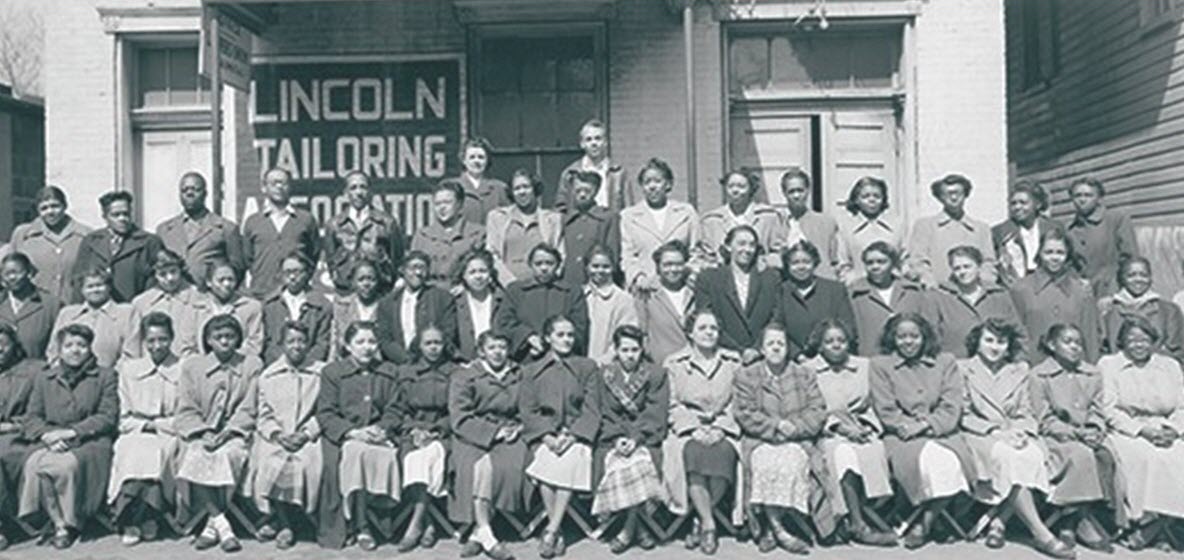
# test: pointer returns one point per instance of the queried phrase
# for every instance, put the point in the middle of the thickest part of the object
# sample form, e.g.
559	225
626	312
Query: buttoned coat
211	395
905	393
265	248
858	233
635	407
499	240
662	322
762	401
131	267
1165	315
640	236
214	237
16	385
1011	254
582	230
872	312
53	254
447	245
740	322
1064	400
716	223
34	322
423	399
958	315
379	236
995	402
1102	239
479	404
466	335
932	238
147	396
481	197
528	304
283	400
111	323
556	397
180	306
433	307
619	186
609	307
827	299
351	396
819	229
316	314
247	310
1043	301
88	404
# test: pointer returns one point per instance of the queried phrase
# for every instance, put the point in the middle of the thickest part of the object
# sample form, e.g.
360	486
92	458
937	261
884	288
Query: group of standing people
592	336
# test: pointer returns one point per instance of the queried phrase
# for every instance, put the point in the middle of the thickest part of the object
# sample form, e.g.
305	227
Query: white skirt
225	466
941	471
570	471
373	469
780	476
142	456
426	466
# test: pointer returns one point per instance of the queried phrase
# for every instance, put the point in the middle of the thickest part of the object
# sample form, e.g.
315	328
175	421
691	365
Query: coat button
366	398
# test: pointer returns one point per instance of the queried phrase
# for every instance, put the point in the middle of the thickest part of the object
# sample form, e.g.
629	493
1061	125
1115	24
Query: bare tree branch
22	43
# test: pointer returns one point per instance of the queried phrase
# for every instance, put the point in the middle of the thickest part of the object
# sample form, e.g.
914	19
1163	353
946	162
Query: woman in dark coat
25	306
489	457
17	373
315	312
1135	298
359	416
743	297
529	302
559	423
882	294
477	302
73	413
423	434
632	396
806	299
918	395
1068	403
1056	294
965	301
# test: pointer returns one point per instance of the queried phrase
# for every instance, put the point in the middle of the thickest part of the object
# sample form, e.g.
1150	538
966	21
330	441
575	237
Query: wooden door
163	157
769	144
858	142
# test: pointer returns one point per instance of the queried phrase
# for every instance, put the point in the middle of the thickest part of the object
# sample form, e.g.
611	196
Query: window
802	60
1041	42
534	88
1153	14
167	77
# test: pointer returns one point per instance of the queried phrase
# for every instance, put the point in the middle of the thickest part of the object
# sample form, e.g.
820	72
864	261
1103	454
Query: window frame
479	33
1151	19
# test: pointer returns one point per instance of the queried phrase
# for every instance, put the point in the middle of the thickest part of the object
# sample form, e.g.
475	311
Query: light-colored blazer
640	235
497	224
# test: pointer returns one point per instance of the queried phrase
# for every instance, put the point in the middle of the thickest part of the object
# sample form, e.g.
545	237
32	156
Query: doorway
163	157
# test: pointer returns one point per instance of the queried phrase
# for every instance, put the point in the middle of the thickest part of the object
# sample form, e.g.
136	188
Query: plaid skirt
627	482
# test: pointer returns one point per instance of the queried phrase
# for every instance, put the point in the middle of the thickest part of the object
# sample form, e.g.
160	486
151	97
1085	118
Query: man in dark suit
199	235
125	249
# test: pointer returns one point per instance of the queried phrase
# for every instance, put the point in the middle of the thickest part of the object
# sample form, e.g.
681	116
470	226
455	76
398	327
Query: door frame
819	102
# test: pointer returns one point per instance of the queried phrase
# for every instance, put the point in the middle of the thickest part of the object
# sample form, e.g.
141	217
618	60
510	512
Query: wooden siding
1114	110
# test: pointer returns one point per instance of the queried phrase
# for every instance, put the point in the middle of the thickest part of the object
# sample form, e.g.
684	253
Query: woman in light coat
143	476
1143	401
653	222
511	232
1003	433
285	465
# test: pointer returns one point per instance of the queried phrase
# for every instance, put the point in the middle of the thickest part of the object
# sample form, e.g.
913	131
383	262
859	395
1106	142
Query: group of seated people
775	368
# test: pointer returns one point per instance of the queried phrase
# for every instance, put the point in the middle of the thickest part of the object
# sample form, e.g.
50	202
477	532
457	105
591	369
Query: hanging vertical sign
399	120
233	51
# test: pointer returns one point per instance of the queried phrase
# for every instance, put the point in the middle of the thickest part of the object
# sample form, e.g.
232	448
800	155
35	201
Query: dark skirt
13	453
148	492
904	459
717	460
511	491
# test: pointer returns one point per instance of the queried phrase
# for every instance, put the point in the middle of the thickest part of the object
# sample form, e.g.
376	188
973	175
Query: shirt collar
927	361
865	222
213	365
269	209
145	367
601	168
945	219
1093	218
